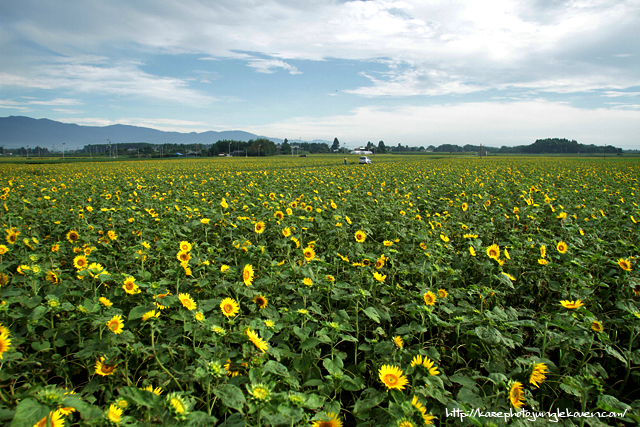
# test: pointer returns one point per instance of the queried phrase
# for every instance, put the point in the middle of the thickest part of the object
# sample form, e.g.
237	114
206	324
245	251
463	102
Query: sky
417	72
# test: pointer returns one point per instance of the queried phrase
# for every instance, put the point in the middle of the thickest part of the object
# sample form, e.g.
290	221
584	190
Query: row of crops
296	292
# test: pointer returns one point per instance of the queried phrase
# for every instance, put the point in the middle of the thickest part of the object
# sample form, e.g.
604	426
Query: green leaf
28	413
488	334
276	368
138	312
231	396
332	365
40	345
309	343
370	398
372	314
139	397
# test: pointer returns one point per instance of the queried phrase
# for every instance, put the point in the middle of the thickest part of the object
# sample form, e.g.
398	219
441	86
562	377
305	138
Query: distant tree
336	145
261	147
285	148
381	147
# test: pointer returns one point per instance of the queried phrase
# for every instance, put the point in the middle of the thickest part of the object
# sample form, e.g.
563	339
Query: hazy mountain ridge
17	131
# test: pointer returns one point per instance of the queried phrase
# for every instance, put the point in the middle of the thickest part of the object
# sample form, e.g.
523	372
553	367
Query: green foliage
465	276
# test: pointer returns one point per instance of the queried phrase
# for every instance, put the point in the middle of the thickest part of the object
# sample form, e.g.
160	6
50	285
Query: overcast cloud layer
411	72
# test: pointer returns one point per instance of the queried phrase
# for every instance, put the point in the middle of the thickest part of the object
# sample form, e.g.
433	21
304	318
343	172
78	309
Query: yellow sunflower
187	301
360	236
229	307
185	246
562	247
572	304
397	340
279	215
516	395
157	391
130	286
392	377
493	251
309	254
80	262
261	301
114	413
5	343
247	274
12	236
51	276
54	418
149	314
430	365
257	341
624	264
103	369
596	326
72	236
472	251
537	374
183	256
442	293
429	298
330	420
379	277
259	227
286	232
307	281
115	324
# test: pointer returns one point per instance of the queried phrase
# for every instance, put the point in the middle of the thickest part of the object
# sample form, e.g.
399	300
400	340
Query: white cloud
267	66
167	125
56	101
122	79
489	123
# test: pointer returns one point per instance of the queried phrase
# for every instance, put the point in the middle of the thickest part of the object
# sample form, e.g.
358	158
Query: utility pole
63	151
27	151
260	145
229	148
109	141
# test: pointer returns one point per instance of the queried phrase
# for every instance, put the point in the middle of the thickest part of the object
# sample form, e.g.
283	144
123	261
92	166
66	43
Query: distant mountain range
20	131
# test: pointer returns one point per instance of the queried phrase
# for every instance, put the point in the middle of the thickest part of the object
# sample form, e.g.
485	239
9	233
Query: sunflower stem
626	377
153	347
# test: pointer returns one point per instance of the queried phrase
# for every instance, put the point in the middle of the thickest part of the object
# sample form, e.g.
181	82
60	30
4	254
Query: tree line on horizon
266	147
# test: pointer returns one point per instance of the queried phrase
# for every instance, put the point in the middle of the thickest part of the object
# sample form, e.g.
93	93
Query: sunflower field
303	292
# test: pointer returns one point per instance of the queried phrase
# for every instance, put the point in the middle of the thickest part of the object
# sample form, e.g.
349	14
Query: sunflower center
228	308
390	379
